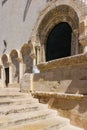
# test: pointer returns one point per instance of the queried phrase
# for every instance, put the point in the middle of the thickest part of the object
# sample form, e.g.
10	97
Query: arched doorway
15	68
6	68
62	15
27	60
58	44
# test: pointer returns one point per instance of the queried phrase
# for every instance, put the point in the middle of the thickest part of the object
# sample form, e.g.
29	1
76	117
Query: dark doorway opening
59	42
6	76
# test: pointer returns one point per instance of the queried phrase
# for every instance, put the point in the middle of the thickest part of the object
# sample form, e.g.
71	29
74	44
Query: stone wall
63	85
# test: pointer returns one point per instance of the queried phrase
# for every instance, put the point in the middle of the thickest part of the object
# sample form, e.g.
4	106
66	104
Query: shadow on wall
26	9
4	1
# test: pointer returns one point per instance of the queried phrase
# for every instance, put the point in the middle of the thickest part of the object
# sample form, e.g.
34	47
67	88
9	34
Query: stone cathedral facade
40	31
26	29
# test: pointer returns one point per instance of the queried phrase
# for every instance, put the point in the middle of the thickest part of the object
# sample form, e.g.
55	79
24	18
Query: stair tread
14	108
22	111
38	125
70	127
10	100
16	117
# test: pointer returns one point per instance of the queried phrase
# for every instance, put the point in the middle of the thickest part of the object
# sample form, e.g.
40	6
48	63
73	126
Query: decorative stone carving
58	14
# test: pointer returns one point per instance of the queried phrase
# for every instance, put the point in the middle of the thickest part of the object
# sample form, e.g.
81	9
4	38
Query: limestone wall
63	85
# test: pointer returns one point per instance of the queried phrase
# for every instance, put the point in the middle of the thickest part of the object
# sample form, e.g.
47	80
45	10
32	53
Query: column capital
37	47
19	59
1	66
9	63
33	55
75	31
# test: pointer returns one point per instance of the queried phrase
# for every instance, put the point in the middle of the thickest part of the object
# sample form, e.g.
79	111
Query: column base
14	85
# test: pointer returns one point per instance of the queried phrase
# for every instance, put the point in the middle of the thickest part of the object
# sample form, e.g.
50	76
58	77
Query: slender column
38	54
74	44
21	68
31	82
85	49
3	76
10	73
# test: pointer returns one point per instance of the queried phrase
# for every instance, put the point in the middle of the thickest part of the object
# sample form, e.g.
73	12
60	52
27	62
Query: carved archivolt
58	14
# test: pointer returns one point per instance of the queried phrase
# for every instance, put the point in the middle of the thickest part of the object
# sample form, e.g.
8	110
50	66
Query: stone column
85	49
10	73
3	76
38	54
74	43
21	68
31	82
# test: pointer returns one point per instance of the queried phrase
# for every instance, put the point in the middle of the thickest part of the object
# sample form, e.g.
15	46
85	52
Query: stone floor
22	111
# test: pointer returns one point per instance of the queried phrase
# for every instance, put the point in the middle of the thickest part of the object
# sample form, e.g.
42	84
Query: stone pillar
38	54
31	82
3	76
10	73
21	71
74	43
21	68
85	49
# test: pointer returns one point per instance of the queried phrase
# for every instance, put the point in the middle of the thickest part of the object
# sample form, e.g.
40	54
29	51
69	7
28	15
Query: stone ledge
71	61
39	94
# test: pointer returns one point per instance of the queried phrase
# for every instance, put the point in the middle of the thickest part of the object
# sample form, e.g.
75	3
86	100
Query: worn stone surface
21	111
26	83
64	83
71	61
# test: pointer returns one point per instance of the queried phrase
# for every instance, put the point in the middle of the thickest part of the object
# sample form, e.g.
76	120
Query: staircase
20	111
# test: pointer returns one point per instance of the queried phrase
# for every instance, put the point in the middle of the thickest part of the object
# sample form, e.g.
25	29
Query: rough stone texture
21	111
69	62
62	81
26	83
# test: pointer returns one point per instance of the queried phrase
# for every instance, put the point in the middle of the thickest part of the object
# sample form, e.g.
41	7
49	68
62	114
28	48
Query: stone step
9	90
21	107
7	101
52	123
22	111
13	95
19	118
70	127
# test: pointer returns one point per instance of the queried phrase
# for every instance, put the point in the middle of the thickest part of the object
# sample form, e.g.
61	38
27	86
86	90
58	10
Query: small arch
26	55
14	59
5	62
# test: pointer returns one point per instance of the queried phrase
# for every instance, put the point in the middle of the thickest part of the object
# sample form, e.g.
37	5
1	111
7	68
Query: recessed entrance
6	76
59	42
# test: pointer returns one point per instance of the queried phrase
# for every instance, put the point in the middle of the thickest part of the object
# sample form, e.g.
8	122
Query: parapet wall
68	75
63	85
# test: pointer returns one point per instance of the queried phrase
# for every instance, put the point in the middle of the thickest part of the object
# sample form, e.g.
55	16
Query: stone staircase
20	111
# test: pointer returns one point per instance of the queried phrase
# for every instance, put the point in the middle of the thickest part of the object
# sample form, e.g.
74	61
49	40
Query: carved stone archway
15	65
61	13
5	69
26	51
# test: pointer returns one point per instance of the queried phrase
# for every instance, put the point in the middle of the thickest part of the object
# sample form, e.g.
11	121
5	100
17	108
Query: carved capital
9	63
19	59
37	47
1	66
75	31
33	56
